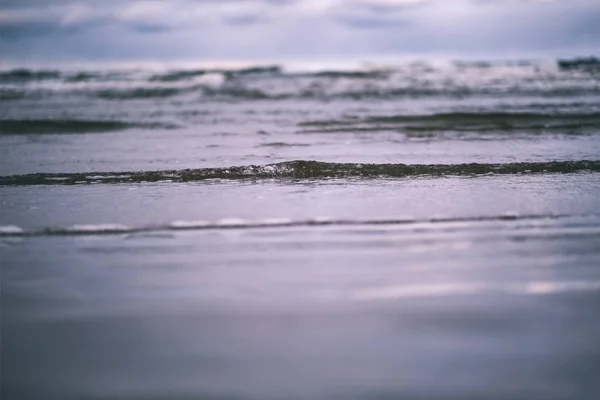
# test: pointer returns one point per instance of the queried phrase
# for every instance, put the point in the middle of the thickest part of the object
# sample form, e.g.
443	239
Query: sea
419	229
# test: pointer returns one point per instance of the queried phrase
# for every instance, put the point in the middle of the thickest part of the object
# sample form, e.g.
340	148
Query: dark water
422	230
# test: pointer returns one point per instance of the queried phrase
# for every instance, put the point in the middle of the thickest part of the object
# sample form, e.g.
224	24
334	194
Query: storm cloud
34	30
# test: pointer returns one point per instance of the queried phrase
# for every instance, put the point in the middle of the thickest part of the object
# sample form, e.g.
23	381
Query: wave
60	126
374	74
301	169
367	70
314	90
235	223
11	94
325	91
180	75
562	78
23	75
83	77
137	93
461	121
588	64
284	144
239	93
260	70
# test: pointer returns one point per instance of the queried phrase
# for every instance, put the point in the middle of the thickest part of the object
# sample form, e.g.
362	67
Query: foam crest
97	228
11	230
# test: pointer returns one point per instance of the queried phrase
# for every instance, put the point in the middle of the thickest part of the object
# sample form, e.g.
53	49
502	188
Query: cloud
189	29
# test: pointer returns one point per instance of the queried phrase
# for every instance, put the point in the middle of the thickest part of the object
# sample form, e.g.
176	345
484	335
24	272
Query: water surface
424	230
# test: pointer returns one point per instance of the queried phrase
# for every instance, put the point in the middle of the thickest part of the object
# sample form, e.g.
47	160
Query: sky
168	30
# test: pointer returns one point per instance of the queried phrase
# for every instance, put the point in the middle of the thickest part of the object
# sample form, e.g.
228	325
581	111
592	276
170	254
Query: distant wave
463	121
183	74
239	93
137	93
11	94
175	76
54	126
457	79
586	64
24	75
301	169
235	223
375	74
318	91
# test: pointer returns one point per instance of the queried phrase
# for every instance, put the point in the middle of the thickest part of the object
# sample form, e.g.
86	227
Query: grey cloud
186	29
383	6
370	22
245	20
365	15
150	28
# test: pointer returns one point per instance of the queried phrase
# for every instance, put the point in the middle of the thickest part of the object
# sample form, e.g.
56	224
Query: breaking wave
301	169
561	78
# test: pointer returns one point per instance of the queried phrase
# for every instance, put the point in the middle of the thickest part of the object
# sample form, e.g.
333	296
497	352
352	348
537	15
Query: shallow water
437	236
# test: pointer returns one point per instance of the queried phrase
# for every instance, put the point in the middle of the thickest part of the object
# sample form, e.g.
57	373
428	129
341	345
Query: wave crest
303	169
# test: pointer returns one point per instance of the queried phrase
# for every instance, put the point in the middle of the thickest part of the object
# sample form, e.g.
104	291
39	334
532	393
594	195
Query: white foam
97	228
275	221
232	222
213	80
188	224
322	219
11	230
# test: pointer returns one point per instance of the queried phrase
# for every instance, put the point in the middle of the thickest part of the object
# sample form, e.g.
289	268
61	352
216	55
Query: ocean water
413	230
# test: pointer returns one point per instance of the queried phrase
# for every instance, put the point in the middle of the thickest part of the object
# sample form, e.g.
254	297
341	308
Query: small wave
284	144
24	75
83	77
60	126
258	70
325	91
11	94
138	93
236	223
375	74
237	93
587	64
179	75
463	121
301	169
